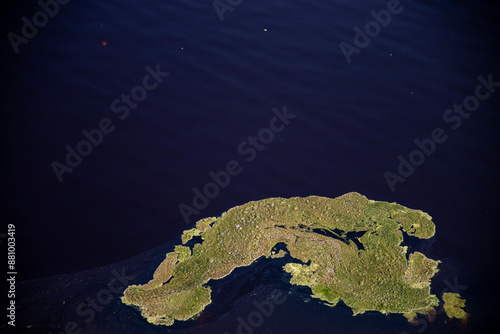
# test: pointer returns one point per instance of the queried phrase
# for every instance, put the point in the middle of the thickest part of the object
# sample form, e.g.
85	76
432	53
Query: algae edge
374	277
453	306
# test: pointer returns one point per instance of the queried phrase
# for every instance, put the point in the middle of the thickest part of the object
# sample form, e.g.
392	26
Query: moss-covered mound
349	248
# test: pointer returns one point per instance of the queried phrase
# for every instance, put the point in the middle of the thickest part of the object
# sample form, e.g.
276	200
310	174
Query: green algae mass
346	248
453	305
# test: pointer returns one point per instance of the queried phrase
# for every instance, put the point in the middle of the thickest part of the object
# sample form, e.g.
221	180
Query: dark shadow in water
242	283
343	236
195	240
279	246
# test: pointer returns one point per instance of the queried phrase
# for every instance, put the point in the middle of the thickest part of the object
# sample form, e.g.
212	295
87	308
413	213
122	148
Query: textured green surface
453	305
376	278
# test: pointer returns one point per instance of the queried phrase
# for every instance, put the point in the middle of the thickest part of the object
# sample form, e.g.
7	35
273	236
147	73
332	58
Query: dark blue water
353	120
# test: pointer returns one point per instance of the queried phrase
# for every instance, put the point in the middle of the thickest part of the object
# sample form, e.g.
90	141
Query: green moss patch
374	277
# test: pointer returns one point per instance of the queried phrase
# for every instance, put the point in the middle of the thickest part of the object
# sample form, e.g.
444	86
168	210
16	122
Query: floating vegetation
349	248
